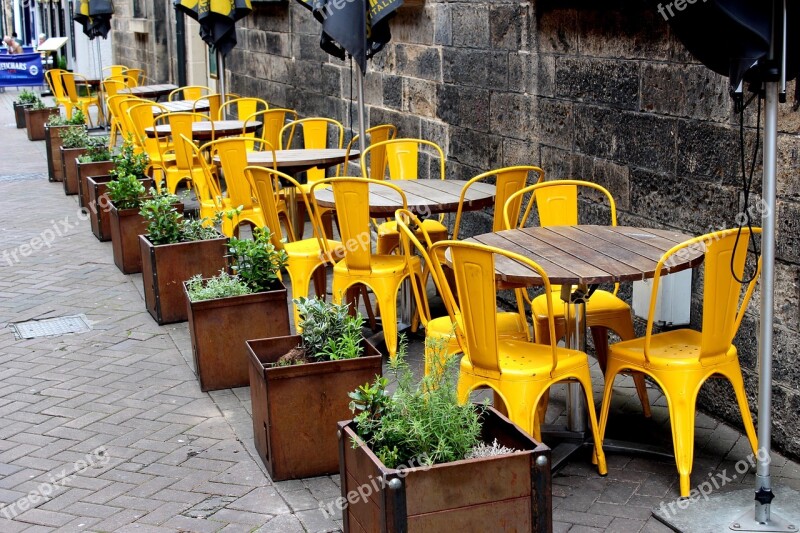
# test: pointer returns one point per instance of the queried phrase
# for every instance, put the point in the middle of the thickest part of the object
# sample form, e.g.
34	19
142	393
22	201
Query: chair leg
681	414
586	383
735	377
600	338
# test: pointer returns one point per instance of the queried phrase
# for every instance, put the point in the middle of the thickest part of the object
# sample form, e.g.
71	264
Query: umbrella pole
362	136
100	95
221	76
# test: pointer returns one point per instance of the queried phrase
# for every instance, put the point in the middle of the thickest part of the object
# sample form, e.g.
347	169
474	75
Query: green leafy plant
74	137
329	331
422	422
78	118
62	62
223	285
126	192
257	261
165	225
128	162
38	104
27	97
96	150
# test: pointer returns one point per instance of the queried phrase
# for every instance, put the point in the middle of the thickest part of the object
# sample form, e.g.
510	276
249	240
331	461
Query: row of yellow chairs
73	92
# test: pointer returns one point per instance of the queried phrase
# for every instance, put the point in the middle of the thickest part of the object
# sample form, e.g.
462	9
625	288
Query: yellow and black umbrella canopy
94	16
217	20
359	28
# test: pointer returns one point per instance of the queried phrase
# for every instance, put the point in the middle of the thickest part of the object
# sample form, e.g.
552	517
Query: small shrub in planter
52	138
96	161
417	460
36	117
174	249
73	145
25	100
227	310
126	194
299	386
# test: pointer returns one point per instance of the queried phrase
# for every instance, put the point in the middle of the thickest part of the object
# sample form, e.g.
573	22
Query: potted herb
52	139
96	161
173	250
419	460
25	100
126	192
227	310
73	145
299	386
36	117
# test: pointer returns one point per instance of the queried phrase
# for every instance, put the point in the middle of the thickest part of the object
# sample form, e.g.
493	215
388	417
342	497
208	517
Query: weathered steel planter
35	120
84	171
296	408
165	267
19	113
69	163
52	141
220	329
126	226
98	207
501	493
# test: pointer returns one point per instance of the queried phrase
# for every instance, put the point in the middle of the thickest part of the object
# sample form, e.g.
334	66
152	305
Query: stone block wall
606	94
144	37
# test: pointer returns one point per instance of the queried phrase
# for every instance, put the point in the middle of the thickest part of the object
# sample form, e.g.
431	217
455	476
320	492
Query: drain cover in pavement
51	327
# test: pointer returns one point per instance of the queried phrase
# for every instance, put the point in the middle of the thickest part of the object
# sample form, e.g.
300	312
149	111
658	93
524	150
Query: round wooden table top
150	91
425	197
206	129
181	106
300	160
587	255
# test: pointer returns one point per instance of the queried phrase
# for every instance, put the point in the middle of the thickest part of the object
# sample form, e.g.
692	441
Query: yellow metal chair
241	108
206	185
557	205
680	361
71	81
214	102
53	78
519	372
114	70
118	126
232	152
510	325
128	82
188	92
305	256
124	103
377	161
402	156
142	117
272	122
136	76
177	160
383	274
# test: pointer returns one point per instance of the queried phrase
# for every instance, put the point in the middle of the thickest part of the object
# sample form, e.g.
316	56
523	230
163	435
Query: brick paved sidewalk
178	459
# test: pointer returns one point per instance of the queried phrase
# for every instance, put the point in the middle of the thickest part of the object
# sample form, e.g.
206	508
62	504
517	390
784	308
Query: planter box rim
273	366
150	243
349	427
240	299
128	211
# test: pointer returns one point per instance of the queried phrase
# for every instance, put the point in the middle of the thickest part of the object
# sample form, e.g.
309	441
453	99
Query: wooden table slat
586	244
647	243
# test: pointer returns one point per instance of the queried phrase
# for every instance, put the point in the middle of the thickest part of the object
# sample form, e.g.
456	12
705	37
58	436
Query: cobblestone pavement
177	459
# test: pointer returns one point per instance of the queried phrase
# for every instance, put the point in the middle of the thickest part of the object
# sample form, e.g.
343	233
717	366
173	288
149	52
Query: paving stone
264	500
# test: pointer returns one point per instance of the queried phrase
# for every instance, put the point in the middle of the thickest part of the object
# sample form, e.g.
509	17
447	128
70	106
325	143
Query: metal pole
180	49
362	135
221	76
763	481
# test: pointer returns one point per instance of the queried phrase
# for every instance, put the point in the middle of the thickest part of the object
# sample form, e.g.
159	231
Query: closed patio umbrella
95	17
355	28
217	20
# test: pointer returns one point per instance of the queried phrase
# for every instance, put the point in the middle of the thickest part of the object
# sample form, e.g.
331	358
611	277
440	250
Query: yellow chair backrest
315	136
214	103
114	70
232	152
179	124
142	117
189	92
136	75
68	80
473	267
112	86
723	302
206	187
272	122
124	104
377	159
402	156
53	77
354	221
244	107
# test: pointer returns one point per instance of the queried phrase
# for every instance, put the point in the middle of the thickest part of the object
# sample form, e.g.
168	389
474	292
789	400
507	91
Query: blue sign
21	70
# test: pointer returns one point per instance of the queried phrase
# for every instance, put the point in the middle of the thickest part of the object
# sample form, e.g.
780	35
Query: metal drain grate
51	327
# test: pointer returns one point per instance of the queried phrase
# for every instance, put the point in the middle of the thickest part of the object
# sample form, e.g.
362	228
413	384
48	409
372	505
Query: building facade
604	94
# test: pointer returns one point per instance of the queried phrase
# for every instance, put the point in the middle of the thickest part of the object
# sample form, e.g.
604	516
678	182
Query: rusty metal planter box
19	113
296	408
97	209
84	171
220	330
69	164
126	226
52	141
35	119
501	493
165	267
